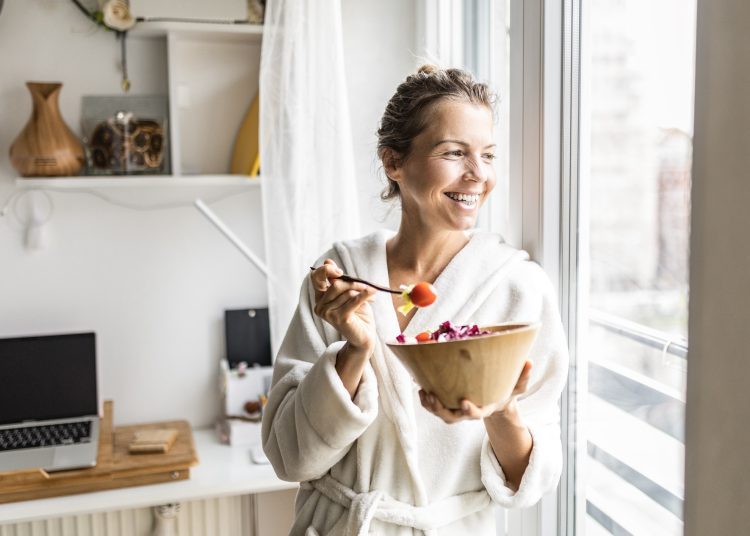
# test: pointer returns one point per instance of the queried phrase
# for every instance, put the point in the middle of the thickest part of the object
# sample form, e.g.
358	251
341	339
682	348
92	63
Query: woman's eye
455	153
488	156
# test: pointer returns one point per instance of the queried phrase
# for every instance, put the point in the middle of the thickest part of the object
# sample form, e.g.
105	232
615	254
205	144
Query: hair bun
428	68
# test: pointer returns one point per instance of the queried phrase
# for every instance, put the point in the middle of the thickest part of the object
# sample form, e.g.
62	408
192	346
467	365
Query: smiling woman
374	453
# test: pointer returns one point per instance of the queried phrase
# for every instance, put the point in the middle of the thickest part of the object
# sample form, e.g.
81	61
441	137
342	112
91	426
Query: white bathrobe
381	463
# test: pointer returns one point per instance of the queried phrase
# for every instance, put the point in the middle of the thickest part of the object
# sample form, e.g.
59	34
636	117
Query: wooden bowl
483	369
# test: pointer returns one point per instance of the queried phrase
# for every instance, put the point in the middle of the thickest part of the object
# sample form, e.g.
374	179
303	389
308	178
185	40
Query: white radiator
230	516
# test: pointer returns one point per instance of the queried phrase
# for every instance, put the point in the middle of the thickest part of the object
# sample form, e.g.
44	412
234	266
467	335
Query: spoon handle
373	285
351	279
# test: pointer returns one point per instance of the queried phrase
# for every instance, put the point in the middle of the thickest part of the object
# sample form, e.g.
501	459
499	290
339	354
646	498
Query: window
633	183
596	122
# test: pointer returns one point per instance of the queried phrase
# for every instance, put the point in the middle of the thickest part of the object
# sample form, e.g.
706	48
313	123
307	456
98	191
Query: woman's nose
476	170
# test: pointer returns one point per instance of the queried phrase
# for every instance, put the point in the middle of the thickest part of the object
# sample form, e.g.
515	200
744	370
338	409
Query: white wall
717	476
154	285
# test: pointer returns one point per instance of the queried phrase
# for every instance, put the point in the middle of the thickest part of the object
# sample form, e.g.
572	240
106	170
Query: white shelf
147	191
222	471
198	30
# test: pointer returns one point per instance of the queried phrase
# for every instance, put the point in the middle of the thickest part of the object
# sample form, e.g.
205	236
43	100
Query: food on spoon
420	295
446	332
423	294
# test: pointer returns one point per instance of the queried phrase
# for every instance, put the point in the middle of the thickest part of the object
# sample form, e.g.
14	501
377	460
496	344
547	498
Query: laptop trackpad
26	459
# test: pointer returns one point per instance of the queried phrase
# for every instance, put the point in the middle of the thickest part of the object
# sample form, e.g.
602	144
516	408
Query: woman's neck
424	253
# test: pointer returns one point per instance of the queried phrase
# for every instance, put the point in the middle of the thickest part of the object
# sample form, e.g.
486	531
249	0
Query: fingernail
465	406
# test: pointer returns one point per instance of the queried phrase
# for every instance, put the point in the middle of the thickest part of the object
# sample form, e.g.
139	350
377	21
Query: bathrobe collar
477	264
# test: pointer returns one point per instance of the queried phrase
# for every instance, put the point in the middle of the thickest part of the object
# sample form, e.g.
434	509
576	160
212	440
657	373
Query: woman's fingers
523	380
349	307
472	411
468	409
354	320
321	277
337	295
331	302
431	403
340	307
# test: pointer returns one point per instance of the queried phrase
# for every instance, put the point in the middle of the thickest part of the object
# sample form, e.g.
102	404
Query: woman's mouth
465	200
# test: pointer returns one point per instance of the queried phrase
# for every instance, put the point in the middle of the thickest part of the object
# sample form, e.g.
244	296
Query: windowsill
222	471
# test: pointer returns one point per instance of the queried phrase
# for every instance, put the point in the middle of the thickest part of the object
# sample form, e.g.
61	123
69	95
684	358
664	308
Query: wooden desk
222	471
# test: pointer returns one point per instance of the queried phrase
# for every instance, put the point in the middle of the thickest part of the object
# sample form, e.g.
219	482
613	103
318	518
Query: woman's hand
469	410
345	306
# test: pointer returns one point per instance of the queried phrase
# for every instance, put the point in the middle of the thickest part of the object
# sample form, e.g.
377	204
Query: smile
468	200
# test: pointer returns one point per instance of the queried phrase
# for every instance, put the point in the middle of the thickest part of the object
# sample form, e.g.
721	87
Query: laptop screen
47	377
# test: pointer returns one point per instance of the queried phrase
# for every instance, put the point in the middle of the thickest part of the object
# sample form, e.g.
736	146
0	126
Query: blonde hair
407	112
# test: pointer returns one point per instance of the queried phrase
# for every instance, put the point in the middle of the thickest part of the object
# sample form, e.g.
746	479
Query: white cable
134	206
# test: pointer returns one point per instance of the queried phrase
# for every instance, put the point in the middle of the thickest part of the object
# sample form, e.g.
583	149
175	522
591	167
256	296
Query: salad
446	332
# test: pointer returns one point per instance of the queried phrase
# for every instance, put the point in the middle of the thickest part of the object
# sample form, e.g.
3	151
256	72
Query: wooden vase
46	147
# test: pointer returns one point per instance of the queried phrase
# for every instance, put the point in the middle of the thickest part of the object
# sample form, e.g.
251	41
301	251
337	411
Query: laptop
48	402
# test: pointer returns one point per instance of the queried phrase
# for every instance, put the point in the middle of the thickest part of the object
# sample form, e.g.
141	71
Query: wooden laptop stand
115	466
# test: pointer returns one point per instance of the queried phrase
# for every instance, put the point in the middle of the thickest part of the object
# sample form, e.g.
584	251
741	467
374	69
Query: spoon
351	279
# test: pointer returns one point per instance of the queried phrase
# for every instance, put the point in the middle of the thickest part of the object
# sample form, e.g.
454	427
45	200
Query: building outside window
637	69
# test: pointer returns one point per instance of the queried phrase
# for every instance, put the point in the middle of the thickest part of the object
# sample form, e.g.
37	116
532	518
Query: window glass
637	102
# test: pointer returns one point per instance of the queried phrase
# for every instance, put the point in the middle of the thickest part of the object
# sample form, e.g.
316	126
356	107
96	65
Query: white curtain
307	161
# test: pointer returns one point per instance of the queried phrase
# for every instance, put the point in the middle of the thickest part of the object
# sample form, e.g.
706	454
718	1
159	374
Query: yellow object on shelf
246	153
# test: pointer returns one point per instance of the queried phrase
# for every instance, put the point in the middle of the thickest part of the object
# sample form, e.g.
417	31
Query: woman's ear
392	162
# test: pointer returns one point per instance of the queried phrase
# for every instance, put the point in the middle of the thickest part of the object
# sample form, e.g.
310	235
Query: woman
374	453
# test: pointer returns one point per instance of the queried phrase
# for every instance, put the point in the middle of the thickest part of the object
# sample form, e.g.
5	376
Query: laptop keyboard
28	437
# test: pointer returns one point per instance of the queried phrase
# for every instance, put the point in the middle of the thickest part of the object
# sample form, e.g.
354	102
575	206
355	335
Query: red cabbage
449	332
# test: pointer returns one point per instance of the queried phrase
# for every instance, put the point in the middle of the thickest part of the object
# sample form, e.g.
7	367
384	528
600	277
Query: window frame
573	238
544	204
543	200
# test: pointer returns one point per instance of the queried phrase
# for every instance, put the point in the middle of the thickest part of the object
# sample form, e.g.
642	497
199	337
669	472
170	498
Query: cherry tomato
423	294
424	336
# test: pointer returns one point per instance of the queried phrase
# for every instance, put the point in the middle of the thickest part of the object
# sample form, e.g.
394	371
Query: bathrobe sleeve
533	297
310	421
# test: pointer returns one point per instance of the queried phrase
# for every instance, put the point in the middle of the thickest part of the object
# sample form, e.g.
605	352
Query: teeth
466	198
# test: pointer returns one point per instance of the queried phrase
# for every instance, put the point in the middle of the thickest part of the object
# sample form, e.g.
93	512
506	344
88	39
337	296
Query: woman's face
449	172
